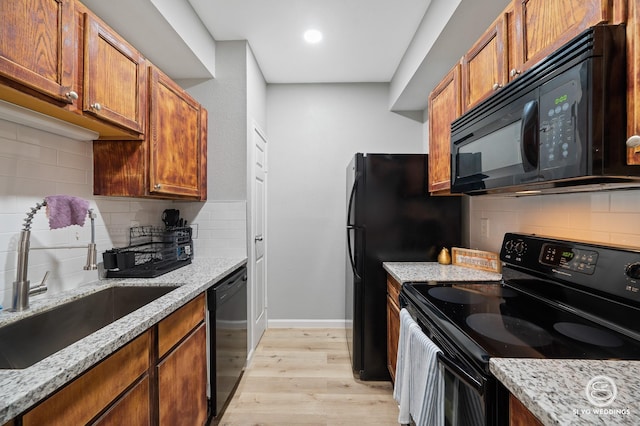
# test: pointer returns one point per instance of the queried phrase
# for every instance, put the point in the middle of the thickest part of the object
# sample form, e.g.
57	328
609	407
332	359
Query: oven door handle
460	373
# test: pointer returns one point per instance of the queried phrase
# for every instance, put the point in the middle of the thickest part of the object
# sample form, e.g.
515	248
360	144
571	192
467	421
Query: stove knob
508	245
520	247
633	270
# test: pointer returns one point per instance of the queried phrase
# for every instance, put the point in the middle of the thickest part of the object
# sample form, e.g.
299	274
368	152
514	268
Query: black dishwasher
227	305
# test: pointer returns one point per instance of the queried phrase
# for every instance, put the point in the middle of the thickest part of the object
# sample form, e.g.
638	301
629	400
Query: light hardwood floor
303	377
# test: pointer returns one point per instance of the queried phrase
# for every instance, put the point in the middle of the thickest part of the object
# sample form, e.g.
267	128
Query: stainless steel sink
32	339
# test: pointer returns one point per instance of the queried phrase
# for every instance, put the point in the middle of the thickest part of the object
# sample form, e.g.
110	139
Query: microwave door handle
529	145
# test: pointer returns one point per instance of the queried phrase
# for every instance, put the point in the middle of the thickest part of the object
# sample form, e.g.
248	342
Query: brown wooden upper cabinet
485	66
115	77
633	78
542	26
444	107
37	46
177	139
171	162
58	59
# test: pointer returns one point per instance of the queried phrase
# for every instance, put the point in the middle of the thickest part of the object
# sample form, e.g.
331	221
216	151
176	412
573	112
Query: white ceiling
363	40
409	43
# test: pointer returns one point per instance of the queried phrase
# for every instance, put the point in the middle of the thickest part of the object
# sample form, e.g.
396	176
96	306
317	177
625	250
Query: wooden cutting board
476	259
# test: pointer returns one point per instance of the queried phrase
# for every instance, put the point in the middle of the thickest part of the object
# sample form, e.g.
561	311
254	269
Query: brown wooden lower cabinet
161	374
519	415
87	396
393	324
133	408
182	397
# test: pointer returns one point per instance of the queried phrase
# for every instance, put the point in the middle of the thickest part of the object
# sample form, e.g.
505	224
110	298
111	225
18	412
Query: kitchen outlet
484	227
194	231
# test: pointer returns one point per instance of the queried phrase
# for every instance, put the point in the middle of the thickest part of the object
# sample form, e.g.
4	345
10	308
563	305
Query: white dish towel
419	386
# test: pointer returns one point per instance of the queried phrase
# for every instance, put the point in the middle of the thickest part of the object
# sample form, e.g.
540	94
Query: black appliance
557	299
560	126
227	311
390	217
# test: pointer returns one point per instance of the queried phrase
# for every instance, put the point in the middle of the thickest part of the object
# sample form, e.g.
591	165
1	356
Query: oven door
471	397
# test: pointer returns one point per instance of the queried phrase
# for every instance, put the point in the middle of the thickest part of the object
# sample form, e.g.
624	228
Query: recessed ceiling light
312	36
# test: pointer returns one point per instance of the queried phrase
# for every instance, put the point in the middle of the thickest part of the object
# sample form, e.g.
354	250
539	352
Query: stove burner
511	330
588	334
456	295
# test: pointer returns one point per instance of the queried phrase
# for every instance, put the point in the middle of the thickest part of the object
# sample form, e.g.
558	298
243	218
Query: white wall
610	217
314	131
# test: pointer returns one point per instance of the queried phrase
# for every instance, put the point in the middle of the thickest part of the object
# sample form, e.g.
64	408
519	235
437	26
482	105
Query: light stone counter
433	271
21	389
555	390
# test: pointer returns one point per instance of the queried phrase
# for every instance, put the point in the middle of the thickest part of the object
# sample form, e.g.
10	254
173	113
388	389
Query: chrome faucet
21	286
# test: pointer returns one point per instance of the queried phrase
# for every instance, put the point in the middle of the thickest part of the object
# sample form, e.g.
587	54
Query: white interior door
259	290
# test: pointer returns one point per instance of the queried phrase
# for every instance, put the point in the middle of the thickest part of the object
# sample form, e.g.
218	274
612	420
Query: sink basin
32	339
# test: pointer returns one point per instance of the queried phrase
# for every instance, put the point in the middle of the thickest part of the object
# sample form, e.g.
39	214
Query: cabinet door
444	107
633	79
393	325
132	408
519	415
484	67
545	25
37	46
182	382
115	77
175	139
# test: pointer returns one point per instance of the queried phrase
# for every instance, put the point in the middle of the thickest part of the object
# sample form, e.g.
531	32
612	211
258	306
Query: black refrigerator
390	218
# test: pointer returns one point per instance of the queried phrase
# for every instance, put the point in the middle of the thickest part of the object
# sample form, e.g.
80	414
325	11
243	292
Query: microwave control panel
557	109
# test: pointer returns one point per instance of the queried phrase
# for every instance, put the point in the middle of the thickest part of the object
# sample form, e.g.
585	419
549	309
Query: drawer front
177	325
393	289
81	400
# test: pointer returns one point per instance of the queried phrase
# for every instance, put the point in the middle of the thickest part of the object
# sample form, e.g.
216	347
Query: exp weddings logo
601	392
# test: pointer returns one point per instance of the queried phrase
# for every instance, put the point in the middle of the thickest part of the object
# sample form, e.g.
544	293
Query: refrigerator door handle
352	227
351	259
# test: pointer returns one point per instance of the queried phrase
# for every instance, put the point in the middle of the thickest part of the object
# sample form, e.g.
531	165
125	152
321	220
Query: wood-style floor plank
304	377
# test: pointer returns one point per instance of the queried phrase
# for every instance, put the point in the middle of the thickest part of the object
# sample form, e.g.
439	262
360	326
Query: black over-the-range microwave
560	126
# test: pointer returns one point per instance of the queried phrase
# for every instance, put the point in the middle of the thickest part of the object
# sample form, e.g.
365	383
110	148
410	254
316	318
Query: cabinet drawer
173	328
393	289
81	400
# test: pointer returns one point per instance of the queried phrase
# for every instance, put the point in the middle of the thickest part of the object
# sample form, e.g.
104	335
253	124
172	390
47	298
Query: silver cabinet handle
514	72
96	106
258	238
72	96
157	186
497	86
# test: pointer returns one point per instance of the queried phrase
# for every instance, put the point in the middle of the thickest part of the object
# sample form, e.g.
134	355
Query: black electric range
557	299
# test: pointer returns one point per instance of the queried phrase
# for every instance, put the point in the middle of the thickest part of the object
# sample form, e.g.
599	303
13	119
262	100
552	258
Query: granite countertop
23	388
432	271
555	390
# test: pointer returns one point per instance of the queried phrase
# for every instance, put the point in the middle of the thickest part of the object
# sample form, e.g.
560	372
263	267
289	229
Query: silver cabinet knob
514	72
497	86
157	186
258	238
96	106
72	96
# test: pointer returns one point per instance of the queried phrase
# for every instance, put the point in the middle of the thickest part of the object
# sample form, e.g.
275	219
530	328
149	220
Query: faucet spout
22	286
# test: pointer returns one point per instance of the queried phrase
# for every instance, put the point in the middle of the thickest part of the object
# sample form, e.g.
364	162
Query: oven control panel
608	269
567	257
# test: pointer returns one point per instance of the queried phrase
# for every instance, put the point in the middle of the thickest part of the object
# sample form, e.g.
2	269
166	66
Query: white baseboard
306	323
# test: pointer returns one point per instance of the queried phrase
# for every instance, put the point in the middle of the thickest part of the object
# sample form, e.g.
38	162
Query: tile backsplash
35	163
609	217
